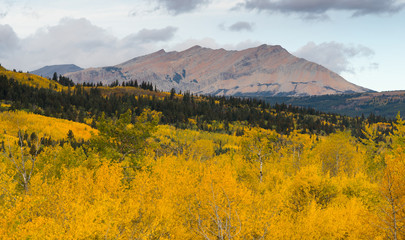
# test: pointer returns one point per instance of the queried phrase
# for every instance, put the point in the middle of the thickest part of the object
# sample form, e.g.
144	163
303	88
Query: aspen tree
23	158
257	146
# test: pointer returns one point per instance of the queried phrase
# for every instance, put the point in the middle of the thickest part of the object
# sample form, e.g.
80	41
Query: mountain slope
48	71
264	70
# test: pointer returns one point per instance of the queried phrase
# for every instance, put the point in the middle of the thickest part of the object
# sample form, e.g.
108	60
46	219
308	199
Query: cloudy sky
362	40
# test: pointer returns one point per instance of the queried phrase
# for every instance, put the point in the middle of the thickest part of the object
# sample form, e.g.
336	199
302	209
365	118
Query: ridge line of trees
188	111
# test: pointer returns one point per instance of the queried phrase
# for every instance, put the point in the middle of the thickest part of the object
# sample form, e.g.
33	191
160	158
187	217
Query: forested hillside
150	165
385	104
30	79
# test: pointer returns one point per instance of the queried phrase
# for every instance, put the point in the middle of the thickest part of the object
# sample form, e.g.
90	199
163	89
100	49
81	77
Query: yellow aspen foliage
291	153
316	206
53	160
121	140
257	146
82	204
224	209
168	140
398	136
298	147
8	185
392	213
359	187
375	151
338	154
192	122
345	221
201	185
200	150
307	187
162	197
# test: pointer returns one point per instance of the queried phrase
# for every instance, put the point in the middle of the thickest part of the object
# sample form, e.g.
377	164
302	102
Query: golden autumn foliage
198	185
339	154
392	214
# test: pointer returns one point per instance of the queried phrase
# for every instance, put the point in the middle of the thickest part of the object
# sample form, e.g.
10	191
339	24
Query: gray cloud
315	8
334	56
153	35
76	41
373	66
182	6
8	40
241	26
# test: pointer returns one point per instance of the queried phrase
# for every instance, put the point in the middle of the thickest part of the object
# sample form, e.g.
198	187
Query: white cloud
4	8
76	41
335	56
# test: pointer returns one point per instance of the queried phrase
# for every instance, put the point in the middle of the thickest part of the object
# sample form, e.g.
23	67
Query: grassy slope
12	121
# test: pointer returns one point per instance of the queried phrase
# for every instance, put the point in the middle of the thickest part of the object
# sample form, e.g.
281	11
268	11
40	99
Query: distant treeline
65	81
131	83
186	111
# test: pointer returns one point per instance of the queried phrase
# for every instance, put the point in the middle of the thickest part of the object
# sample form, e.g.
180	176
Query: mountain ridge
263	70
60	69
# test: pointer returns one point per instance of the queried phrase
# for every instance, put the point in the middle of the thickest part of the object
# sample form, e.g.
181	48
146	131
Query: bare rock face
264	70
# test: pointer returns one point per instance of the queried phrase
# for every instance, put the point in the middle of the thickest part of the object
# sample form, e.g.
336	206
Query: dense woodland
100	163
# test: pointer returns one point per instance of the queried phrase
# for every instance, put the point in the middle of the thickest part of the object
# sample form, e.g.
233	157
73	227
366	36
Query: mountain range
261	71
